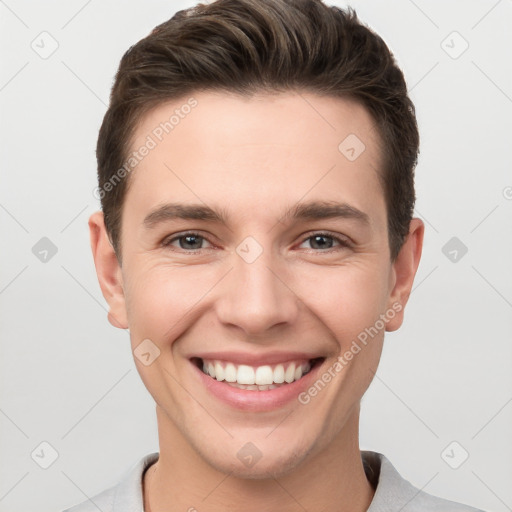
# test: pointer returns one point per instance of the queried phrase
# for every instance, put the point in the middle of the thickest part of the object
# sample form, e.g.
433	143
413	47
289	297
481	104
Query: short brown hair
249	46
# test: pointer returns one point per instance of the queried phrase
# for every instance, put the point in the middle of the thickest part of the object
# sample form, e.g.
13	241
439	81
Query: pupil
189	240
324	245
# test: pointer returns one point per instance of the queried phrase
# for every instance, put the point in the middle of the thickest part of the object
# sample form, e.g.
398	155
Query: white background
67	376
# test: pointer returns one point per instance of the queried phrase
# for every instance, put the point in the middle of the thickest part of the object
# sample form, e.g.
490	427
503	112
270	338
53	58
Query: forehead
257	152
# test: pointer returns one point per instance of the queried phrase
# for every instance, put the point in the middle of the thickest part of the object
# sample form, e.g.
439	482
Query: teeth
230	372
260	378
279	374
289	374
253	386
219	371
244	375
264	375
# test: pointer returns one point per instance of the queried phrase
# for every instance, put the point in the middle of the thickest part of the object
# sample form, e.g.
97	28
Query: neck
332	479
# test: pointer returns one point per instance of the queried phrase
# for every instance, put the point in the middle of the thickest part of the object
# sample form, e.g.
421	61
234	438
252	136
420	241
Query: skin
256	157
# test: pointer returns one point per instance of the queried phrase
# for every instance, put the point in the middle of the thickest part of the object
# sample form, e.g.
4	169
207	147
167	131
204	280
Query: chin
275	464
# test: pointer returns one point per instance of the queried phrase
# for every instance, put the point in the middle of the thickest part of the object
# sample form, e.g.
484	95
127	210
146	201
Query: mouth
256	378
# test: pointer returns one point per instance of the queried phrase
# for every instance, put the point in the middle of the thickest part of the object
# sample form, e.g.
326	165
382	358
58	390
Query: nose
256	296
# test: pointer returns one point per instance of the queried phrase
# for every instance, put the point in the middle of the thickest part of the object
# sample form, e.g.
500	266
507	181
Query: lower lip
254	400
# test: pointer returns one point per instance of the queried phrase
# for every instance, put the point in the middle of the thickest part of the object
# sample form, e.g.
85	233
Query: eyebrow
315	210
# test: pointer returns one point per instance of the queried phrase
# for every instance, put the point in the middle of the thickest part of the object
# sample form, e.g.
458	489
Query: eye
192	241
187	241
325	241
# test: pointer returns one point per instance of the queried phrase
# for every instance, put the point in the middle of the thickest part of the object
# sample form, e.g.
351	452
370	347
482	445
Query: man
256	172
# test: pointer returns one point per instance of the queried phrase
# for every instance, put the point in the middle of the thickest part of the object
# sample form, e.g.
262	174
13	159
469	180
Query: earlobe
108	271
404	269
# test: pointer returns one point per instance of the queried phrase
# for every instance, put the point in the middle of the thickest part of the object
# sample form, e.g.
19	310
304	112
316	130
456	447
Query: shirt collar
392	492
128	495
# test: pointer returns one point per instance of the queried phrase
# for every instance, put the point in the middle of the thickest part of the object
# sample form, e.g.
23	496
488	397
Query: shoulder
103	501
394	493
126	496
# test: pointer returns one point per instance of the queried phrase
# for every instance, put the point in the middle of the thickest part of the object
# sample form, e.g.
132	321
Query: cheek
346	299
160	299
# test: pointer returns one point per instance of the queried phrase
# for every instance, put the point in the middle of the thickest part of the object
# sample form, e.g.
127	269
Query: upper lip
257	359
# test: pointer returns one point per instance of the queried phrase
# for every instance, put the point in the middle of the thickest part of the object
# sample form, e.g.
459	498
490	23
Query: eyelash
343	243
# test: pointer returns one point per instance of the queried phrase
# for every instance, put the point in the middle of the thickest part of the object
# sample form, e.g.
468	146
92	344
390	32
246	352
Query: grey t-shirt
392	492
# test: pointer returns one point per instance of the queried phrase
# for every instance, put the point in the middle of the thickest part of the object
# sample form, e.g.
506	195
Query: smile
256	378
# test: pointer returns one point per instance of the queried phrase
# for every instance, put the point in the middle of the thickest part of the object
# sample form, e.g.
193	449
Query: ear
403	271
108	271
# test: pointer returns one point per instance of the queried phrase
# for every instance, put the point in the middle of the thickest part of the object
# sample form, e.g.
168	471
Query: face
255	247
